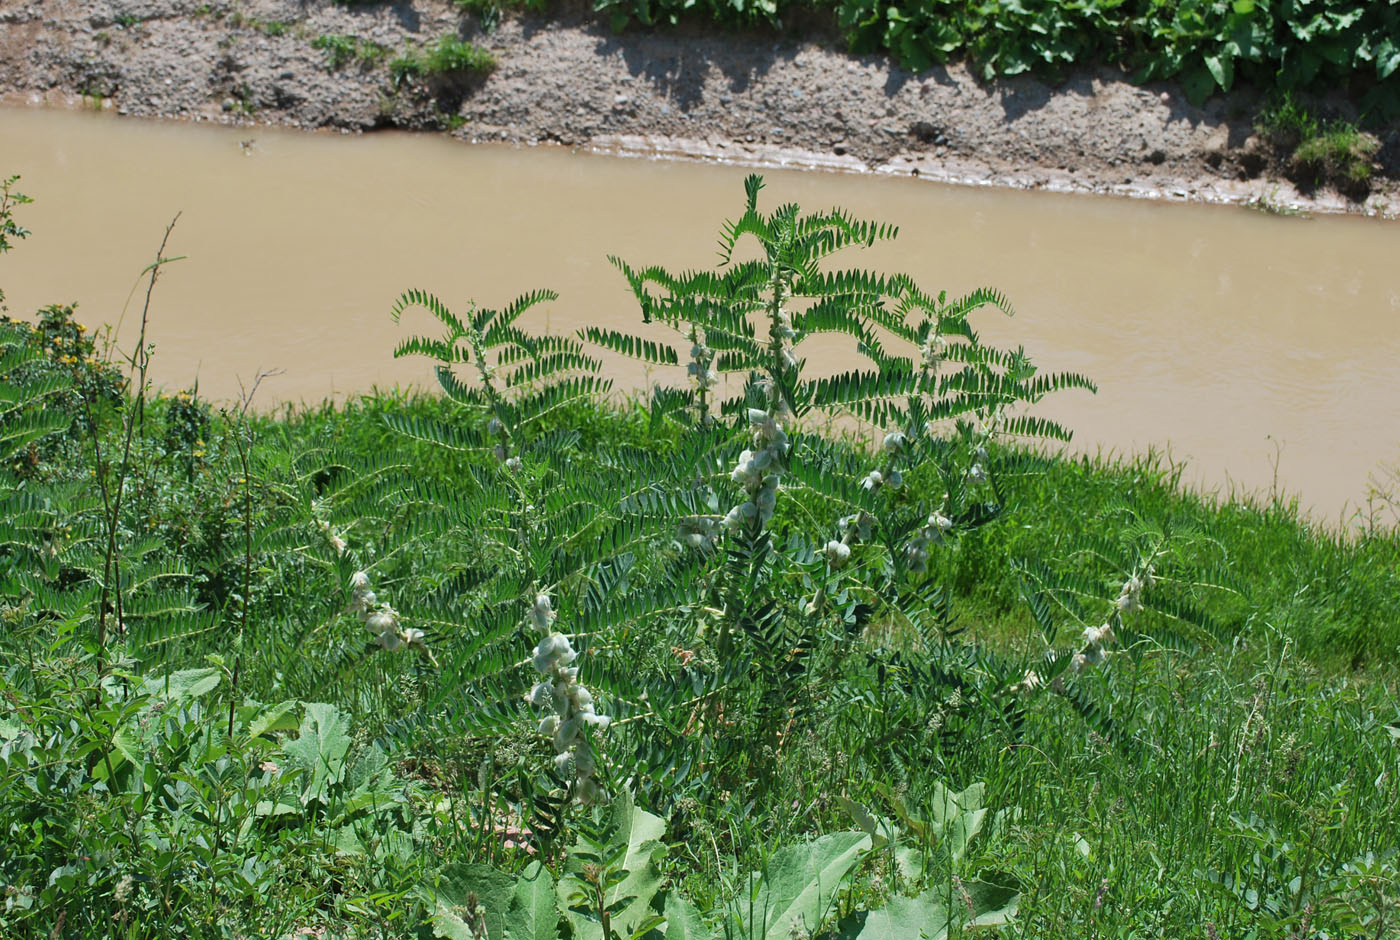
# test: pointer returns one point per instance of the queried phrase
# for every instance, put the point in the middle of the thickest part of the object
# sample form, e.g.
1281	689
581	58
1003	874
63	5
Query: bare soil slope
570	81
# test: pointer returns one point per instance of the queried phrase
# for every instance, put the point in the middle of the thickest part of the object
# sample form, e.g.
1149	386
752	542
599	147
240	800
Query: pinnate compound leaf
799	883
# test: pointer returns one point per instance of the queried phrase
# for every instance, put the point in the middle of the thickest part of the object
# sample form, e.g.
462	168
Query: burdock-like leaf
683	921
452	915
320	749
929	917
633	839
798	884
533	914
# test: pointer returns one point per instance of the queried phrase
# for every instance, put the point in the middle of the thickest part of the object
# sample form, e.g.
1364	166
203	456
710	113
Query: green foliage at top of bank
1206	45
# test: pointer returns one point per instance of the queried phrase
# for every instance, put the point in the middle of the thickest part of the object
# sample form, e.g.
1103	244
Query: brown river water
1261	351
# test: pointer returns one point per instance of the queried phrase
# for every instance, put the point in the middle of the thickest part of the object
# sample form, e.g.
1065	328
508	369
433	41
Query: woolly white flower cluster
559	689
759	471
932	533
336	542
783	334
1130	597
381	619
854	529
1095	650
977	473
894	446
698	532
701	367
502	449
933	350
1028	684
1098	640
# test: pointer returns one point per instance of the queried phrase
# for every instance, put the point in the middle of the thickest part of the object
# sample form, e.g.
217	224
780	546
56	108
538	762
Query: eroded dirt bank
570	81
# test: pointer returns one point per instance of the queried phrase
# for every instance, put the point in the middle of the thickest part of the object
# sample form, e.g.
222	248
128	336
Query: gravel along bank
568	80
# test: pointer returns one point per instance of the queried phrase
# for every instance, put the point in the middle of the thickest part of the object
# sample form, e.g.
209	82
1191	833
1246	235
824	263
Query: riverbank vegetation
519	661
1205	45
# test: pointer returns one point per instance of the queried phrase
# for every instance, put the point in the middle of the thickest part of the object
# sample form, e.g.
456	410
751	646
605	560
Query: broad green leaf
346	841
910	863
1222	69
629	901
493	890
798	885
993	904
1198	83
184	684
908	919
870	824
683	921
320	749
533	914
279	717
930	916
127	744
1387	57
957	818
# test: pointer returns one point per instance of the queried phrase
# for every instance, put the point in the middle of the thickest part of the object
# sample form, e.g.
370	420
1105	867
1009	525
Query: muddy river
1261	351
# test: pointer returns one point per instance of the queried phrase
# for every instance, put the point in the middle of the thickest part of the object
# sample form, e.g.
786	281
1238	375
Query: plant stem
140	360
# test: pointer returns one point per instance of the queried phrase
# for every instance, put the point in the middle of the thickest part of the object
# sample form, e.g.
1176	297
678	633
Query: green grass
342	49
1256	760
1320	153
207	728
450	56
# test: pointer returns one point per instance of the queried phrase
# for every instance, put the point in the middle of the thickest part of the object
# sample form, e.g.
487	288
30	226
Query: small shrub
450	56
341	49
1318	153
1340	156
489	11
1286	124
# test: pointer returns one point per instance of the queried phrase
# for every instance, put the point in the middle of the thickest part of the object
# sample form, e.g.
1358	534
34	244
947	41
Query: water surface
1262	351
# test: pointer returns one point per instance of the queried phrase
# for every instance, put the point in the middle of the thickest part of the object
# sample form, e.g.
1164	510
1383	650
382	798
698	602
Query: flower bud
837	553
567	733
383	620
